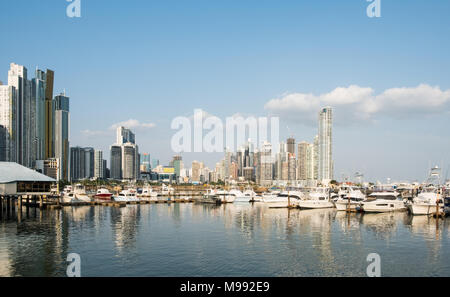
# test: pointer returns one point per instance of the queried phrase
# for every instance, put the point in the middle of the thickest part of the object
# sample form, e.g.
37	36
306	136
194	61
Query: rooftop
13	172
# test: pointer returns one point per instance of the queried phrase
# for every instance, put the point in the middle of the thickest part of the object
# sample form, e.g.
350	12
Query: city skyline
390	111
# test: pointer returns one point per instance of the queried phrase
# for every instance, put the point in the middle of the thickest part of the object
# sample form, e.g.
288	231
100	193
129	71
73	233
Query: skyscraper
17	78
38	95
266	164
98	165
325	173
303	160
115	162
8	123
49	77
124	135
291	145
61	134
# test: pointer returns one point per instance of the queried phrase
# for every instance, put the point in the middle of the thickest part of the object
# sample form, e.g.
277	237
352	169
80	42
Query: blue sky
152	61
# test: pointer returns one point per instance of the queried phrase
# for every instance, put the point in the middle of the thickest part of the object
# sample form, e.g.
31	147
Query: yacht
80	193
148	194
210	197
166	190
426	200
103	194
317	198
68	195
383	201
351	200
126	196
224	196
239	195
284	199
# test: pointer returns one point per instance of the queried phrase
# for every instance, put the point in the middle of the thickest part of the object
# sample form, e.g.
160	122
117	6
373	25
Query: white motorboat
317	198
126	196
285	199
148	194
351	201
240	197
166	190
67	196
80	193
383	201
224	196
429	198
425	202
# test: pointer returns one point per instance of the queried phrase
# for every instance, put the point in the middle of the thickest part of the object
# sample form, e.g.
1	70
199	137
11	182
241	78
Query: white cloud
360	103
133	124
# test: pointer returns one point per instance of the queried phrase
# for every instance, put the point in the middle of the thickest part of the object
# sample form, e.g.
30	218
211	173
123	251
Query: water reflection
228	240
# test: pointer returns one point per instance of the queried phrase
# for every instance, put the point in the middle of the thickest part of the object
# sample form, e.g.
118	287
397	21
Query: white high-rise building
7	123
266	164
325	173
25	113
98	164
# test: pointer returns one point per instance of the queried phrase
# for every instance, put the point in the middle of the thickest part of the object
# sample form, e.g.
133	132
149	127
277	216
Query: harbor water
228	240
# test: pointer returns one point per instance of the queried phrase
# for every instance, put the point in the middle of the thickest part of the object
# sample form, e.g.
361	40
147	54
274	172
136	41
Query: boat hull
314	204
342	206
423	208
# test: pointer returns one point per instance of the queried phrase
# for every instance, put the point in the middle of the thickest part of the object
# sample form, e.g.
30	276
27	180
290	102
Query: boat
67	196
80	193
103	195
383	200
166	190
284	199
126	196
240	197
351	200
224	196
429	198
317	198
210	197
148	194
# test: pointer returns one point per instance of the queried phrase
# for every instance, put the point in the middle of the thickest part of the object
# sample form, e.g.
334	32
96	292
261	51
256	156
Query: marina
182	239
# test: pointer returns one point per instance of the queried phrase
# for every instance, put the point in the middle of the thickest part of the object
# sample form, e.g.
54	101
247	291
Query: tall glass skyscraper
325	145
61	134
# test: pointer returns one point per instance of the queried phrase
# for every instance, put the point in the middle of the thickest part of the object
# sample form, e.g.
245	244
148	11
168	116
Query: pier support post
8	205
13	205
1	207
41	202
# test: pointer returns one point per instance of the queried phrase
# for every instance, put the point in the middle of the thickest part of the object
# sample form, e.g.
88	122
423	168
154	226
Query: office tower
124	135
49	150
155	163
98	165
77	163
129	168
266	164
292	174
249	174
310	161
38	95
145	162
177	164
234	171
115	162
302	160
291	145
325	145
17	78
8	123
61	118
316	158
105	170
280	157
196	171
89	167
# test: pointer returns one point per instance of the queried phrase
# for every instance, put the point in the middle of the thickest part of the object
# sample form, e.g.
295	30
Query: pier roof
12	172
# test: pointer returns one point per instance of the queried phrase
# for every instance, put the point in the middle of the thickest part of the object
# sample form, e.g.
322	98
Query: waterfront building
325	173
89	162
196	171
61	134
316	158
